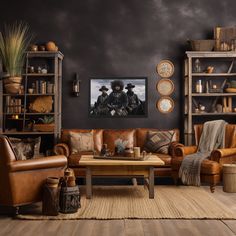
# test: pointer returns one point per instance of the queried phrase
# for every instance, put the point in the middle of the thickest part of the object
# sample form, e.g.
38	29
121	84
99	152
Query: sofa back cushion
110	136
230	135
141	135
97	136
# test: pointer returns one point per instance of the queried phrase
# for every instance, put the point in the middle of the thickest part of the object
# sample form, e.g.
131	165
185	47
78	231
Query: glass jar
197	66
199	88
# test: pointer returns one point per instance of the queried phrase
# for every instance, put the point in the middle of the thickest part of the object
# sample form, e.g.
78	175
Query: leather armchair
210	168
21	180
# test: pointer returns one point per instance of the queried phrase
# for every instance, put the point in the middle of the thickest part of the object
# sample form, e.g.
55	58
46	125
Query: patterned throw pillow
81	142
26	148
159	141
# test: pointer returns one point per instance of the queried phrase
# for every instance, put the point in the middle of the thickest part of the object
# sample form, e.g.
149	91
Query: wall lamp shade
76	85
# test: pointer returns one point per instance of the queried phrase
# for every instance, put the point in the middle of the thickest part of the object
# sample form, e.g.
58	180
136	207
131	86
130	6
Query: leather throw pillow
81	142
159	141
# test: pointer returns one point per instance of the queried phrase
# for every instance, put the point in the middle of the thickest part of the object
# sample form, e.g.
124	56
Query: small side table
229	178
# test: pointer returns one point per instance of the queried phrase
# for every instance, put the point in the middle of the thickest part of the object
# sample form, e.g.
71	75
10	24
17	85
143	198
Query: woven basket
12	84
44	127
202	45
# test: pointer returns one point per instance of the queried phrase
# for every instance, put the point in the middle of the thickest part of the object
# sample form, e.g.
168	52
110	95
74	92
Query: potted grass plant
14	41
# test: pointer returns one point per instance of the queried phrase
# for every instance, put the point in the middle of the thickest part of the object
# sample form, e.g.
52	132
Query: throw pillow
26	148
159	141
81	142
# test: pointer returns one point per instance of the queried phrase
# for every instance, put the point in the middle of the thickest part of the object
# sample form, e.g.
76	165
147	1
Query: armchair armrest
185	150
61	149
38	163
217	154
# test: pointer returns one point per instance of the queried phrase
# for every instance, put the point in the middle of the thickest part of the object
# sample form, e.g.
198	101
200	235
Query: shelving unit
223	63
10	126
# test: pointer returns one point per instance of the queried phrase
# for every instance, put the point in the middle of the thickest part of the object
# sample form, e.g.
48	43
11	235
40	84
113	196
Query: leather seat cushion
164	157
208	167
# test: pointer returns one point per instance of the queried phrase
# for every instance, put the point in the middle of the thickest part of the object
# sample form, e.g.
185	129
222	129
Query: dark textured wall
119	38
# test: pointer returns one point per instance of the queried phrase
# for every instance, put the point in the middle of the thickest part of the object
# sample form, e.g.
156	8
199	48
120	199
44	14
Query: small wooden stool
229	178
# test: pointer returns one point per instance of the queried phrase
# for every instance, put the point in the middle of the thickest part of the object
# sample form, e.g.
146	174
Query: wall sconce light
76	85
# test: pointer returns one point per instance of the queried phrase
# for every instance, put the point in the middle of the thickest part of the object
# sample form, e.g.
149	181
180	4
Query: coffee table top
88	160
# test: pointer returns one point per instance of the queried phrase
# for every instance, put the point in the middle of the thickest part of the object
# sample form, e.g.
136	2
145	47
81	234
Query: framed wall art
118	97
165	68
165	87
165	105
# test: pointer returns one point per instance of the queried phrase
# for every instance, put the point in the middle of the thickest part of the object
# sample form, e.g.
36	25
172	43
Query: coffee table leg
88	183
151	182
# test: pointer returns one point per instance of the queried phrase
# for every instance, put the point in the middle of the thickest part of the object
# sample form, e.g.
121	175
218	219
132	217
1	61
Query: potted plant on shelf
14	41
46	124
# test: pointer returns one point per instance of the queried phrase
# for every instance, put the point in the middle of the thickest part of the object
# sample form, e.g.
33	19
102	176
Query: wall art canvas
118	97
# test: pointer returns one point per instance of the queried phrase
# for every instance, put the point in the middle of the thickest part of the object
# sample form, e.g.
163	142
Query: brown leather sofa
211	169
136	137
21	180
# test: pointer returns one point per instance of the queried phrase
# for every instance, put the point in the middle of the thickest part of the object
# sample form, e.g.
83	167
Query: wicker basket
44	127
202	45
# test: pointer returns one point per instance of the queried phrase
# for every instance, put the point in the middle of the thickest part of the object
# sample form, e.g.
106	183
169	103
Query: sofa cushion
208	167
111	136
159	141
141	135
97	136
80	142
164	157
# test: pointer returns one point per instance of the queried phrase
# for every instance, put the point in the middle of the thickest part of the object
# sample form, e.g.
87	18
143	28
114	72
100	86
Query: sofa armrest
38	163
223	153
61	149
173	146
185	150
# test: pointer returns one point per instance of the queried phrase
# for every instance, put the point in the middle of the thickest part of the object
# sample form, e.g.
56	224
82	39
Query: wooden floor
9	226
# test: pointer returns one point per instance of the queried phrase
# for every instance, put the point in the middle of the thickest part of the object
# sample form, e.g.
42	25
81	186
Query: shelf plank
211	54
24	133
213	74
214	114
51	113
212	94
38	74
45	54
29	94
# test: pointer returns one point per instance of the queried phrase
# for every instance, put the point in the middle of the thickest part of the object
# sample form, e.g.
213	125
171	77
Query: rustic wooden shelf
220	59
28	113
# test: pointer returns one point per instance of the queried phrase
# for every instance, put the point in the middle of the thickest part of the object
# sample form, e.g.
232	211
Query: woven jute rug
132	202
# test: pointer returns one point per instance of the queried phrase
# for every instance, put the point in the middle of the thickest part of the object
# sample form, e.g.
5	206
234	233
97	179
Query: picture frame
165	87
165	105
120	97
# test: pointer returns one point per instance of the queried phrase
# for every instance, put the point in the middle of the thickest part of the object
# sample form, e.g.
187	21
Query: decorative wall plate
165	87
165	68
165	105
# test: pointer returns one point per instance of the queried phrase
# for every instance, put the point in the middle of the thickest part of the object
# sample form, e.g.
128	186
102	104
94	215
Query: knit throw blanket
212	137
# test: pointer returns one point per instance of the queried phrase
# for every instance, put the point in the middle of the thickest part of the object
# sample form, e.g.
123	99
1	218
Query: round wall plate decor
165	68
165	105
165	87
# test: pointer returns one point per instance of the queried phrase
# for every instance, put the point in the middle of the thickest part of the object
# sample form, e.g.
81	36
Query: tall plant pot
12	84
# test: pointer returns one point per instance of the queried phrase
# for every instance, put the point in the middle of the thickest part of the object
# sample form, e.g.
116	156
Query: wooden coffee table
102	167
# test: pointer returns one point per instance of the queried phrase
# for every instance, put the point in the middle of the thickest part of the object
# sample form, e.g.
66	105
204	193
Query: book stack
43	87
13	105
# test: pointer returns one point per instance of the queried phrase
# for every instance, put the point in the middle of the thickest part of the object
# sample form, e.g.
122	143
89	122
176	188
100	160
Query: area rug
132	202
